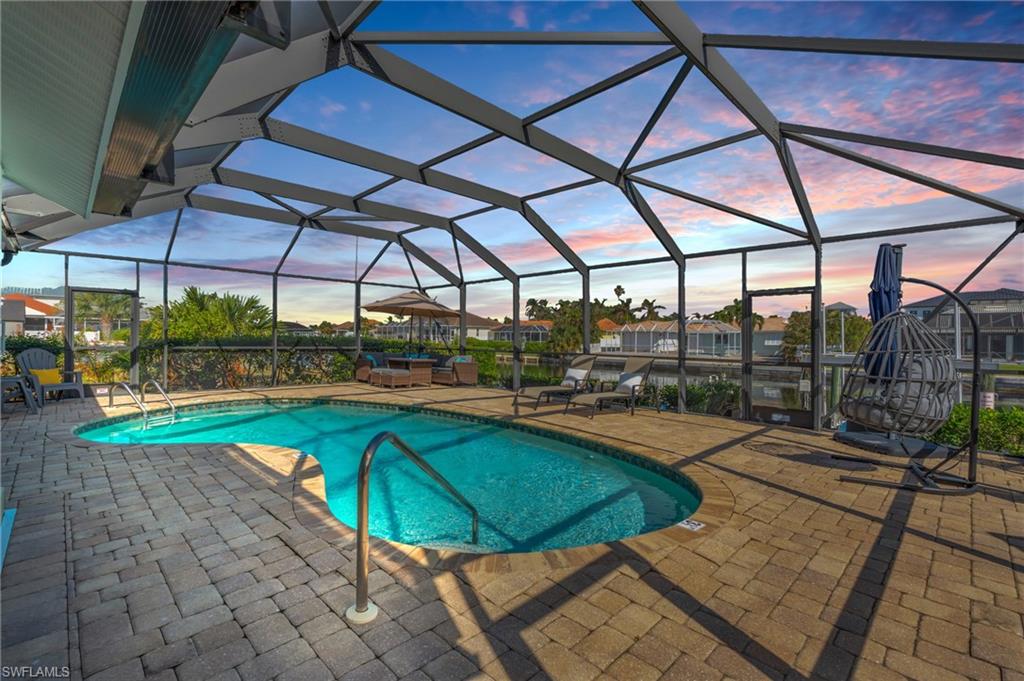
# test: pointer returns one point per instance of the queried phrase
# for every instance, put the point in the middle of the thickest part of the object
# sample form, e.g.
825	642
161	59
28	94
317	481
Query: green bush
720	398
999	430
13	345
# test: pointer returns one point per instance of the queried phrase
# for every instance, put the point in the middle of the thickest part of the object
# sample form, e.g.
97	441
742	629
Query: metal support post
69	320
517	341
681	340
273	335
586	311
747	352
163	334
133	339
357	323
462	318
817	345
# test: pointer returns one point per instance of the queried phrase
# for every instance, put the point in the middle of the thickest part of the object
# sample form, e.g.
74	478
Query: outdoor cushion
372	359
628	381
47	376
463	358
573	375
391	372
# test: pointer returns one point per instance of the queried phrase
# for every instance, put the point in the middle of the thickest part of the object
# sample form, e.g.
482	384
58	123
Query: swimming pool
532	492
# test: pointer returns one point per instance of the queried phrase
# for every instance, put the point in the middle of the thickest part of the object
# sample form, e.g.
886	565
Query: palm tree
733	314
538	309
107	307
243	315
623	311
649	308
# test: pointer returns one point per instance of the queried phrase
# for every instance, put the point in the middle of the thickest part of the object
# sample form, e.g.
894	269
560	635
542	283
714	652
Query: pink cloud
978	19
541	94
887	70
1014	98
517	15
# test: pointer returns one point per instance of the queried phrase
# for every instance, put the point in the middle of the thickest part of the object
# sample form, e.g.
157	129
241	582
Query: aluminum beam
603	85
796	186
324	145
719	206
544	229
407	76
674	23
909	175
244	210
919	229
926	49
655	116
641	206
510	37
694	151
975	272
905	145
339	226
493	261
68	224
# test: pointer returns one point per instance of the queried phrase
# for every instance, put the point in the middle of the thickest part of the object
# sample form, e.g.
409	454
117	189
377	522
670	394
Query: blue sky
977	105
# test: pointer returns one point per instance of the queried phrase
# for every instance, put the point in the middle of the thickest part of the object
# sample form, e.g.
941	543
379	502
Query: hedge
1000	430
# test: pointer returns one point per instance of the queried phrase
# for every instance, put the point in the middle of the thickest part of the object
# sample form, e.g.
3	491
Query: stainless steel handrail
160	389
364	611
131	394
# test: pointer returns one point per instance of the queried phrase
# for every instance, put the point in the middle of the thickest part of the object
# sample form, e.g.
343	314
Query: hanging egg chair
903	379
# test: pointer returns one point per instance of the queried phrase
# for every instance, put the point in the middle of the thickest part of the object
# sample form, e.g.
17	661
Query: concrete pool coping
308	495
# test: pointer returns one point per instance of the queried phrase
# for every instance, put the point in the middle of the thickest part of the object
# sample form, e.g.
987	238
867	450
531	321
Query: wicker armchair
457	370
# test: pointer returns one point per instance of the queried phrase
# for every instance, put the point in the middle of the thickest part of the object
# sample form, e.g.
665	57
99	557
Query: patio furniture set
396	370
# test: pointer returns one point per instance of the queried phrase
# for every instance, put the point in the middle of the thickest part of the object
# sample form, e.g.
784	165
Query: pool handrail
160	389
131	394
363	611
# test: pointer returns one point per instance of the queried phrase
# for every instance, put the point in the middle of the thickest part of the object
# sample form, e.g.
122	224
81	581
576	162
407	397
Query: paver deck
220	561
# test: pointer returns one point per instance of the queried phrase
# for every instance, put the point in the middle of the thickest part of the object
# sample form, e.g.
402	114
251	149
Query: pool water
532	492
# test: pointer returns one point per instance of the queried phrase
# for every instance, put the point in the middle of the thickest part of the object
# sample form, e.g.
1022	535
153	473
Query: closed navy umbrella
884	297
883	300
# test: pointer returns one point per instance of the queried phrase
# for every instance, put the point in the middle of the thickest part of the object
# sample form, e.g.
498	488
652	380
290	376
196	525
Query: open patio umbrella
412	304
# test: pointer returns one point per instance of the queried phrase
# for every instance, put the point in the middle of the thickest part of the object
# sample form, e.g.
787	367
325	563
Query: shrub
13	345
714	397
999	430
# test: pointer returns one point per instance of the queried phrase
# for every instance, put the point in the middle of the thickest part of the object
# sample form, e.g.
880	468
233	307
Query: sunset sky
974	105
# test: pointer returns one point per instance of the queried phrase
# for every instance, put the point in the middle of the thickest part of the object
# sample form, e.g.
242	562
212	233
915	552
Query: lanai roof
654	132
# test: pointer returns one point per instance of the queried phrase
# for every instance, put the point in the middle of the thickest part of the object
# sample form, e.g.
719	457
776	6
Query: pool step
457	546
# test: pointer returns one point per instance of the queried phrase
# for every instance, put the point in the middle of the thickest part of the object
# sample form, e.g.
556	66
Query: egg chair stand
935	478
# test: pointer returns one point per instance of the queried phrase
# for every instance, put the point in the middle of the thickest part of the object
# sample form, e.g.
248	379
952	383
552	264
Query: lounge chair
576	378
627	389
50	379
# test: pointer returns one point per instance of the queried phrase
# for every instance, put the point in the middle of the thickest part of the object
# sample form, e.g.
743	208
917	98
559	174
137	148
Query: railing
131	394
363	611
160	389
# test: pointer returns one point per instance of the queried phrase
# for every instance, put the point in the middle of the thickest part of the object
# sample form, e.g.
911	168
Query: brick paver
191	562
